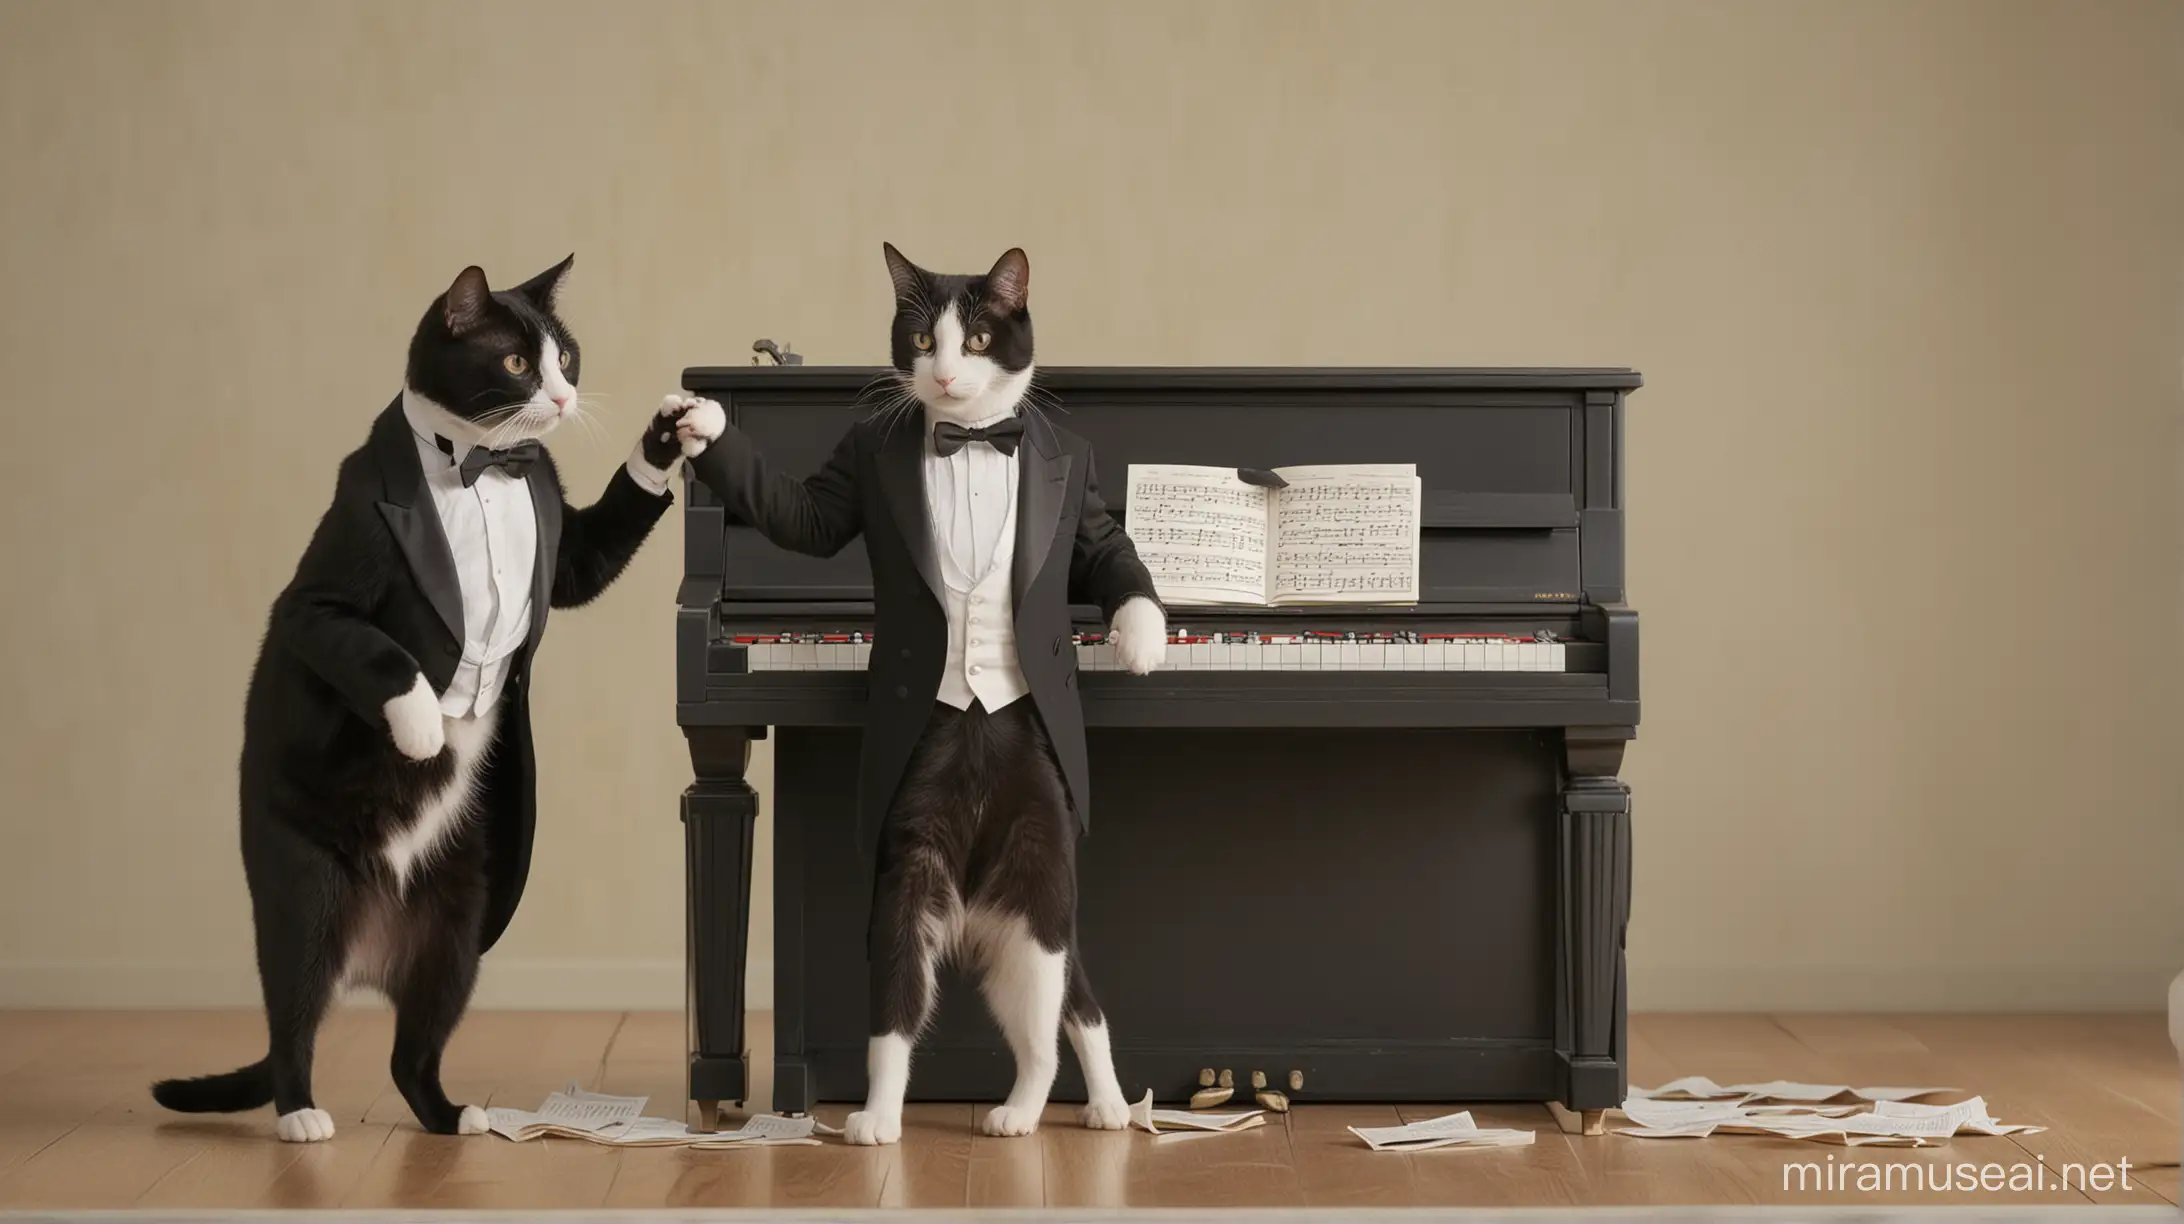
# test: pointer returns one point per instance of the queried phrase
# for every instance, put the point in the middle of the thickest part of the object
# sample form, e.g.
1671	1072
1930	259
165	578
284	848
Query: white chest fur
442	813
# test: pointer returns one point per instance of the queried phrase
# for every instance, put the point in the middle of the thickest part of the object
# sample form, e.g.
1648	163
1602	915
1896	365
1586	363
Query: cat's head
501	365
963	343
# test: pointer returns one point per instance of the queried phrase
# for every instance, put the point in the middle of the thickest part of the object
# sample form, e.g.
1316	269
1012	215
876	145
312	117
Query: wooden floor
78	1130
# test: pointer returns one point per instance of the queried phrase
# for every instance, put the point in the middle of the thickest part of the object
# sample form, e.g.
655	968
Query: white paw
473	1121
413	719
1141	635
869	1129
305	1126
1105	1115
700	426
1009	1120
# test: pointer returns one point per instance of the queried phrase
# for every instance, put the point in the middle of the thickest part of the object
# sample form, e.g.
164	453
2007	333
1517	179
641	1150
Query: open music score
1338	533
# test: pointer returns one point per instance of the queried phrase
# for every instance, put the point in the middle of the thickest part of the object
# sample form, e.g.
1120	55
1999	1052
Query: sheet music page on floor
1201	533
1346	533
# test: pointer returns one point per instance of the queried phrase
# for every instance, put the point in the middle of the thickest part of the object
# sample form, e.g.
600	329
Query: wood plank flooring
78	1130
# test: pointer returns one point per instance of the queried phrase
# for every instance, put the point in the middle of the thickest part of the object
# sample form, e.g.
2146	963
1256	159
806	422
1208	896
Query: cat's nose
561	401
943	381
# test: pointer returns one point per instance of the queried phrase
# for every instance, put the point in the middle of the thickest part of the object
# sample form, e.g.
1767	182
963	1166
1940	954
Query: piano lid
1522	468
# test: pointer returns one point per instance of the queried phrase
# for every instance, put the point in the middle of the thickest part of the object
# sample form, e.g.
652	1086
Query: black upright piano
1371	879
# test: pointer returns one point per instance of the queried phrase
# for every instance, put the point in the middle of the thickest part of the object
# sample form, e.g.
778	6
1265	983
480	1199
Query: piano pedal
1268	1098
1212	1091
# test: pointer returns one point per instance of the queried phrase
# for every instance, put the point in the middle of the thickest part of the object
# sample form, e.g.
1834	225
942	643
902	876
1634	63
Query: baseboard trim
521	984
1981	988
514	984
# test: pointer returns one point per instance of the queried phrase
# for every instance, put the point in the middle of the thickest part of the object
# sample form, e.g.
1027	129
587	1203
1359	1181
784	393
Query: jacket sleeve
598	541
324	617
818	515
1103	567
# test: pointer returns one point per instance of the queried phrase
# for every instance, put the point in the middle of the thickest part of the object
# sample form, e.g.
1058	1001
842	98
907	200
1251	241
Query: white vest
981	628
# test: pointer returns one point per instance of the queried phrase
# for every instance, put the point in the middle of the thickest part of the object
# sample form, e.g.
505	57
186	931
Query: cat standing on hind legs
983	523
387	771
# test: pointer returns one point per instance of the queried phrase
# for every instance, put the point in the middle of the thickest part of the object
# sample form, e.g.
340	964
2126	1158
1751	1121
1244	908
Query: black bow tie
949	437
515	460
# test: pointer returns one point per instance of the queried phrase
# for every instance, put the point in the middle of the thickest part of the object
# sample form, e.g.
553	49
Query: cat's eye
515	364
924	341
978	343
564	359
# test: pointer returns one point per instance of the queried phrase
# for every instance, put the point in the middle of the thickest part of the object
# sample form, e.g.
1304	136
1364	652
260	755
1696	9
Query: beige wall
1903	279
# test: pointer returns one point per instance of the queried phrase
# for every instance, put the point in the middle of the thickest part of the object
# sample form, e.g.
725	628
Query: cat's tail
238	1090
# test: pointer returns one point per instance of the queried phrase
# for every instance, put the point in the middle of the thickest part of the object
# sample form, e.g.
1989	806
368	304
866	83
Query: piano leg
1592	1011
719	813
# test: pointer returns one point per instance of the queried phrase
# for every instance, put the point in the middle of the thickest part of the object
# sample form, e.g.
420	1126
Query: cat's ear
466	300
1009	284
909	280
544	290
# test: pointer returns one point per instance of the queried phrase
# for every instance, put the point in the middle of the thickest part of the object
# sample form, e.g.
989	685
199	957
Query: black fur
997	303
323	787
982	816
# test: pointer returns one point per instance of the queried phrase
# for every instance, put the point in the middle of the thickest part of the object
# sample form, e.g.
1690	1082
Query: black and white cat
983	522
387	773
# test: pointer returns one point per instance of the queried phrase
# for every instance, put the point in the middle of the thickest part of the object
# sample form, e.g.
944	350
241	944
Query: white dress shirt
492	529
970	500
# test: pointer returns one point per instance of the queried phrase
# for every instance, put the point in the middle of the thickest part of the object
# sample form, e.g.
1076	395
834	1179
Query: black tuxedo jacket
1068	549
375	601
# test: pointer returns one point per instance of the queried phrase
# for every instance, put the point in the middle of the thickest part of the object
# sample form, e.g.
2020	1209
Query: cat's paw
1010	1120
662	446
304	1126
868	1129
700	425
473	1121
413	721
1105	1115
1140	633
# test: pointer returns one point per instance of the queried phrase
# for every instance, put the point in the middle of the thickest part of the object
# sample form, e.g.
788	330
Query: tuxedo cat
983	523
387	777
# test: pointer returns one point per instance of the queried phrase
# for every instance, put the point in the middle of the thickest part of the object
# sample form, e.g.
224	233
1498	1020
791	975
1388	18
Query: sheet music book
1340	533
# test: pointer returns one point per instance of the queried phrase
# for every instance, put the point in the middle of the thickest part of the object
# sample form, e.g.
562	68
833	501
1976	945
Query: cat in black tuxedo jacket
983	522
387	774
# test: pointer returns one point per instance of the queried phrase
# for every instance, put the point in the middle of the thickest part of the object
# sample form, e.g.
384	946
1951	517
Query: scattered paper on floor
1456	1130
1145	1117
1696	1107
573	1113
1700	1088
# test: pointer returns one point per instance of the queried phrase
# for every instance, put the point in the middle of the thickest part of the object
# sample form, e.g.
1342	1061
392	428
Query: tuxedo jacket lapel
546	505
413	520
1042	476
902	482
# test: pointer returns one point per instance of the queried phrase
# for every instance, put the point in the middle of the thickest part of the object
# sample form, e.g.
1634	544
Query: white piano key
1372	656
1201	656
1084	657
1554	657
1535	656
1347	657
1414	656
777	656
862	655
1473	656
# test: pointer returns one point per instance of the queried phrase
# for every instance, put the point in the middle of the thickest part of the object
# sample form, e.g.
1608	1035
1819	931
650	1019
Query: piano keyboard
1316	652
